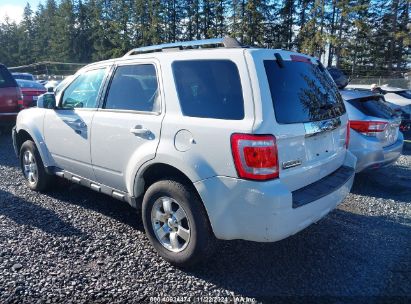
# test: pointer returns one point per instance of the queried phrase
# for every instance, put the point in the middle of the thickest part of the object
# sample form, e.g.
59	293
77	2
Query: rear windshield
6	80
373	106
30	84
209	89
23	76
302	92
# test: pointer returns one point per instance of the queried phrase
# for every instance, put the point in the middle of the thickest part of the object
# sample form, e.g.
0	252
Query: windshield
302	92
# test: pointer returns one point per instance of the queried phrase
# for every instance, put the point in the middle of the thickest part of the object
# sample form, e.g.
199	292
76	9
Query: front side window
135	88
83	91
209	89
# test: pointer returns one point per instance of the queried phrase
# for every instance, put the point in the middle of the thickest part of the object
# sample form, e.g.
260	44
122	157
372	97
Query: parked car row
19	91
210	139
375	137
397	99
10	97
50	85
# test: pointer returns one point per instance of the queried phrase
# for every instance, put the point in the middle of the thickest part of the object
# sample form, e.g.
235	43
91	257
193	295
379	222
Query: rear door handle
139	130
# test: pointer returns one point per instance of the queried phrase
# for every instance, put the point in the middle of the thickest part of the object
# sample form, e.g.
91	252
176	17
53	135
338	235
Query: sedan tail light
20	100
255	156
369	128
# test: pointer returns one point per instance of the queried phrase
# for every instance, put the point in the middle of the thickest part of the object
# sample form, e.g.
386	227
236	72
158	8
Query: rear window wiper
279	60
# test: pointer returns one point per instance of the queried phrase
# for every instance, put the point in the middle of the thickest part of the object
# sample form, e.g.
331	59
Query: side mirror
47	101
50	89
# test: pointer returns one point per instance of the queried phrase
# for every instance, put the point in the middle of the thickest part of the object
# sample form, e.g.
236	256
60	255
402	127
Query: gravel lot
73	244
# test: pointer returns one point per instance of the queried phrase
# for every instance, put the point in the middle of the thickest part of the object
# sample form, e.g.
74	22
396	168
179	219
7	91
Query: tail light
347	135
369	128
20	101
255	156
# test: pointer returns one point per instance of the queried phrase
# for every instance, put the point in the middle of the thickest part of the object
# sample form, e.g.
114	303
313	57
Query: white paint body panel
115	151
262	211
68	143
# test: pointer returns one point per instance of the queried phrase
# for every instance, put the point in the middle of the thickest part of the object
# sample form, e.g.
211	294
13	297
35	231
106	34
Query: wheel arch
24	134
155	172
158	171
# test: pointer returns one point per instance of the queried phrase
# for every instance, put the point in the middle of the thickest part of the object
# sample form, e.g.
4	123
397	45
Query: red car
30	90
10	97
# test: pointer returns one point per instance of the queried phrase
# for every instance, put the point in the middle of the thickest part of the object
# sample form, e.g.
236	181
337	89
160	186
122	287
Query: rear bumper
8	119
263	211
372	155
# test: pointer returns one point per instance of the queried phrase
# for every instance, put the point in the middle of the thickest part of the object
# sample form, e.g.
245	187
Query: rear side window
134	87
375	107
302	92
209	89
6	80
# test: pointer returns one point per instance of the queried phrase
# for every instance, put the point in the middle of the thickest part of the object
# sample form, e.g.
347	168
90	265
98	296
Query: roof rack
226	42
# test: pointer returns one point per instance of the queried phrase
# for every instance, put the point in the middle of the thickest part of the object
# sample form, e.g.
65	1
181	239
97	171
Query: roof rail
226	42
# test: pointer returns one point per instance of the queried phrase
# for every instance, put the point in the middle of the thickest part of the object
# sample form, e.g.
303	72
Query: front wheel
176	223
32	167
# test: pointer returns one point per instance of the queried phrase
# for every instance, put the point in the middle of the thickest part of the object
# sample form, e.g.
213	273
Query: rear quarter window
302	92
209	89
6	80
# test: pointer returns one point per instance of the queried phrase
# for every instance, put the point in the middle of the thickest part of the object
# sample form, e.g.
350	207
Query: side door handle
80	124
76	123
139	130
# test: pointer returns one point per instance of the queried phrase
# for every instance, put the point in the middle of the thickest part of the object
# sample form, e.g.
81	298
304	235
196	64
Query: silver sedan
375	138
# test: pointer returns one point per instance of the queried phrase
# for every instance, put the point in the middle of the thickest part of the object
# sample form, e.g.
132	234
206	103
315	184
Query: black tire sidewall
200	235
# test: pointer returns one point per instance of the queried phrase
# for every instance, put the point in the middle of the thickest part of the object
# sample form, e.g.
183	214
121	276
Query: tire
35	175
187	250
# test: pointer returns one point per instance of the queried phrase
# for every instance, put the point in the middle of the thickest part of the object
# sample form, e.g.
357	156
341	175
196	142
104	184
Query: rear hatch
310	125
9	93
375	108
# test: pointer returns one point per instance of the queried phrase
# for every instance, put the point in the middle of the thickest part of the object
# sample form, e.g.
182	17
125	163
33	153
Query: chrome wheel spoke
162	231
183	233
175	244
31	177
179	214
167	205
160	216
26	158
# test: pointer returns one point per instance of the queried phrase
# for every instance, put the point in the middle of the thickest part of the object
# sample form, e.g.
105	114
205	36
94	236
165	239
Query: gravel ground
75	245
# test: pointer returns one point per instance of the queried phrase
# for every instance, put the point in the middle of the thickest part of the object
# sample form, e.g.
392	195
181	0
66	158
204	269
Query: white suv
211	139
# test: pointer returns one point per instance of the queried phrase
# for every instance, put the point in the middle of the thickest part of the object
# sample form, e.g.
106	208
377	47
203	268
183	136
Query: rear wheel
176	223
32	167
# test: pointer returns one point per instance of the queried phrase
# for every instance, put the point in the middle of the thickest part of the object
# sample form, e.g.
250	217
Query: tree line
367	37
